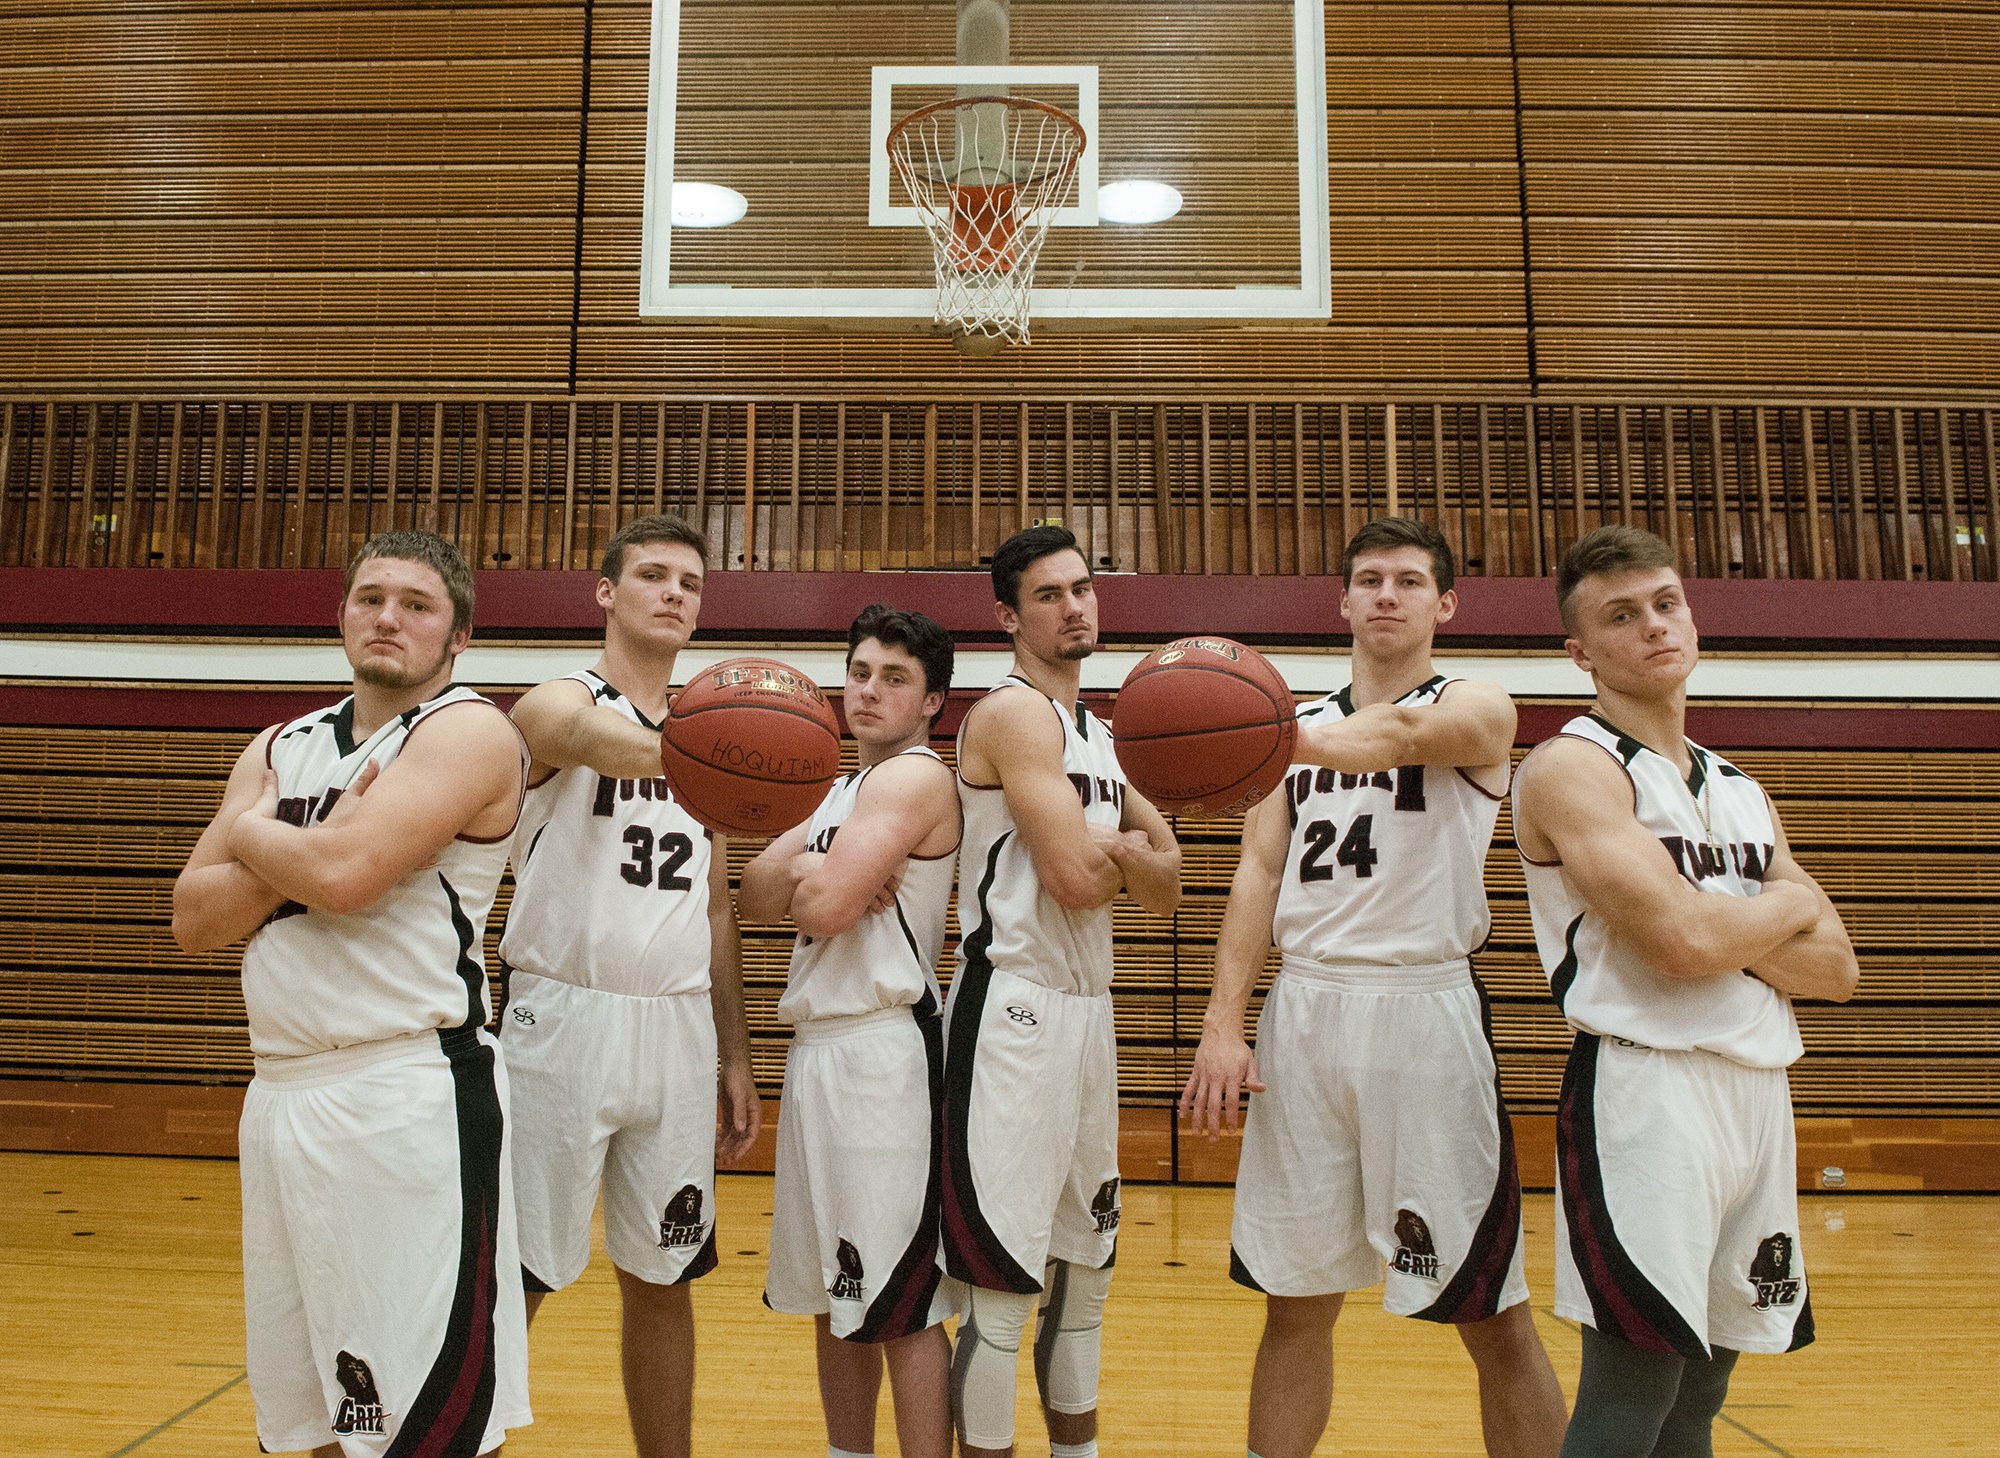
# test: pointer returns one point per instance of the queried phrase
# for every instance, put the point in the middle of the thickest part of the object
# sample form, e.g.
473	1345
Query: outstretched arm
459	772
1223	1063
1471	726
739	1111
1573	803
1818	962
565	727
218	899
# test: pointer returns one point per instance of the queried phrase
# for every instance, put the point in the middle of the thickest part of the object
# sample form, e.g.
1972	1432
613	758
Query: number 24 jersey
610	880
1386	869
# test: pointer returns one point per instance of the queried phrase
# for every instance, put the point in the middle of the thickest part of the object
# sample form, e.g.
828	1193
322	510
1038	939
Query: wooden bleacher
94	824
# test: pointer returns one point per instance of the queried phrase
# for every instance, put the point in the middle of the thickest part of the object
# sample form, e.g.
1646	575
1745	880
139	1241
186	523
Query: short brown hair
660	527
1022	550
435	553
1386	533
1603	553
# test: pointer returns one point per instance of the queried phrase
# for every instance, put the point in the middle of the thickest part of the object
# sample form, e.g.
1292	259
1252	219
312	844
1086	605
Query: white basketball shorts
1678	1223
1031	1130
1381	1143
379	1285
854	1215
619	1091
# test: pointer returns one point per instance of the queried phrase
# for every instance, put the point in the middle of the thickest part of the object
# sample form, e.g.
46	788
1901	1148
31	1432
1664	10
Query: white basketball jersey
610	880
1005	917
887	959
1716	824
1386	869
317	980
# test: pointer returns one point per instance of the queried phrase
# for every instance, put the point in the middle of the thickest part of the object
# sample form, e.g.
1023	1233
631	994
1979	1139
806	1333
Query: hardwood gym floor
121	1287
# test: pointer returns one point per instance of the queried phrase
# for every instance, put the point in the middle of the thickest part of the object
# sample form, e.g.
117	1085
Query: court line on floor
1752	1434
193	1407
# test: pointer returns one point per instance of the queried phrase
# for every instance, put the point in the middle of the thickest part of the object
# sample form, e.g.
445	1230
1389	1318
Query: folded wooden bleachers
94	824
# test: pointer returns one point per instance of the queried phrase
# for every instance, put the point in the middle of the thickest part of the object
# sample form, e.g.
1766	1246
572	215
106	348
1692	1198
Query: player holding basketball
1675	928
624	982
1378	1136
359	848
1052	834
854	1229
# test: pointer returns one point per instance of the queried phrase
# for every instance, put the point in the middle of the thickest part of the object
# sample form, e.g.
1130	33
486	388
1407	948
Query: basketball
750	747
1204	727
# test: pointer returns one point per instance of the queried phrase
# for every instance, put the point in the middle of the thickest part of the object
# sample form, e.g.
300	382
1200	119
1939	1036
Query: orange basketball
1204	727
750	747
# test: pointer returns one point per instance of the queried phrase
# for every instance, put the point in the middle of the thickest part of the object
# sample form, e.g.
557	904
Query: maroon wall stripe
1720	726
1799	615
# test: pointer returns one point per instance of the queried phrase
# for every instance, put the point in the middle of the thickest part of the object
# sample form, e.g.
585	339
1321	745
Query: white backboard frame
1312	299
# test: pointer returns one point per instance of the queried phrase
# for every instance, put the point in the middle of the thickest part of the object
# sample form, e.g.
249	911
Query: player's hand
739	1112
1224	1066
885	894
349	798
1799	904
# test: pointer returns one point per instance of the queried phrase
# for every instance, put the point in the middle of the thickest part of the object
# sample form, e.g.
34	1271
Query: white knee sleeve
982	1367
1067	1339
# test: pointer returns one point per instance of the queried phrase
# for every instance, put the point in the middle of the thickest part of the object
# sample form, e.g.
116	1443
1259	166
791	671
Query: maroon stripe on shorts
1623	1303
448	1417
1473	1292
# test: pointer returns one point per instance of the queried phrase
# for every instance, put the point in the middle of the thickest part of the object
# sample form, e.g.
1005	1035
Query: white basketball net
986	175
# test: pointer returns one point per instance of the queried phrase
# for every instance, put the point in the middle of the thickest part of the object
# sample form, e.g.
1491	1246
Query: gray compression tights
1632	1403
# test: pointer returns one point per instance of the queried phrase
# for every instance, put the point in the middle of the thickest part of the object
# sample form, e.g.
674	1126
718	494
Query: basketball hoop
986	174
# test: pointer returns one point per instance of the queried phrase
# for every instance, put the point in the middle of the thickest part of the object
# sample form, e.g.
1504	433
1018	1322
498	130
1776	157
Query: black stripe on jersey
1623	1303
972	1252
1474	1290
1628	747
1698	770
448	1416
910	937
1564	976
343	728
903	1305
469	969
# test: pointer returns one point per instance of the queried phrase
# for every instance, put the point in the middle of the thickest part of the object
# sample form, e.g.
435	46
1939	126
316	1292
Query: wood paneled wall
1647	196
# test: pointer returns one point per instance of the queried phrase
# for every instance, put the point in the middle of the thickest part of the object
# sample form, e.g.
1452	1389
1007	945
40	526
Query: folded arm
458	773
907	806
1150	859
1818	962
1020	738
218	899
1573	803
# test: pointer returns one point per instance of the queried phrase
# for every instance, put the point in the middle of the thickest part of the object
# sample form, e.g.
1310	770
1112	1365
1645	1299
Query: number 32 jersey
610	880
1386	869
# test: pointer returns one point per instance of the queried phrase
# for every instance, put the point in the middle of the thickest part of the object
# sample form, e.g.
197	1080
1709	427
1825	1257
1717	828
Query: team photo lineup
420	1168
